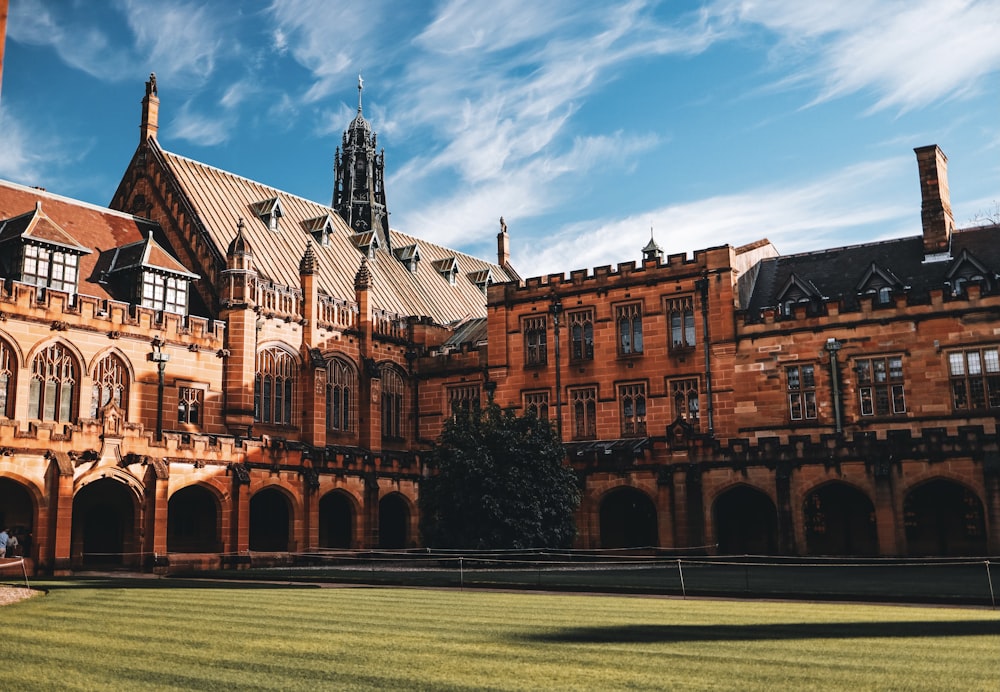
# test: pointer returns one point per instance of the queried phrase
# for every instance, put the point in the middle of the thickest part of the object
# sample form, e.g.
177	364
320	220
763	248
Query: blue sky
583	123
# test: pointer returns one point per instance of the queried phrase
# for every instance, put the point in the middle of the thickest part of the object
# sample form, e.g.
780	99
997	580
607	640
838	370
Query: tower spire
359	175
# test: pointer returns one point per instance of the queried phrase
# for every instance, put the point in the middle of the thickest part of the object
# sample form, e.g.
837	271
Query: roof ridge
69	200
223	171
826	251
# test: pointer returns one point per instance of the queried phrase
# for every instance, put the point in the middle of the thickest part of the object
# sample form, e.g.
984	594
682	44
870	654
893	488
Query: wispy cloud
498	87
331	38
815	214
199	128
178	40
20	159
906	54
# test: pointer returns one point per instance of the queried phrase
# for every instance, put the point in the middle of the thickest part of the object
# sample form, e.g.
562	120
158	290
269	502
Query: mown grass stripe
163	637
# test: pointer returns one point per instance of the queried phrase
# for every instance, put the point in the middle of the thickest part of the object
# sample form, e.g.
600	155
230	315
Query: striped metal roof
220	198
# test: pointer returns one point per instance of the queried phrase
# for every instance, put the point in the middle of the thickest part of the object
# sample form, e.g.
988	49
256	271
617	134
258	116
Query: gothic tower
358	188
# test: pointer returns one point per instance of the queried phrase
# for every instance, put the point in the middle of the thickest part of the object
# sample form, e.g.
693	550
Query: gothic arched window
110	384
8	379
274	387
54	380
341	395
393	403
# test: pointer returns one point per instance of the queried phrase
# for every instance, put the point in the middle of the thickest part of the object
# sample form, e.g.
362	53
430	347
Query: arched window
393	403
341	393
274	387
54	379
8	379
110	384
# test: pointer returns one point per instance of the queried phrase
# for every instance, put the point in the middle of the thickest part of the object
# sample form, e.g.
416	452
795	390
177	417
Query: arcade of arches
116	521
940	517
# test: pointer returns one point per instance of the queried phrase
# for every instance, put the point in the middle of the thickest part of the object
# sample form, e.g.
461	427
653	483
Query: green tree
498	481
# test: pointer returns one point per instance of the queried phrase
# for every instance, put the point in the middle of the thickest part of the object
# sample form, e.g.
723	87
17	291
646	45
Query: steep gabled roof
36	225
148	254
97	230
836	273
217	197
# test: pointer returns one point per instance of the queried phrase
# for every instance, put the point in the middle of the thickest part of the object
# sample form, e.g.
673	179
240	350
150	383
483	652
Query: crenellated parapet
677	266
64	311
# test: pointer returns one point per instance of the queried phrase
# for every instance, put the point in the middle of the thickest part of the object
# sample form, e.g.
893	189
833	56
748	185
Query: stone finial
308	264
150	123
363	279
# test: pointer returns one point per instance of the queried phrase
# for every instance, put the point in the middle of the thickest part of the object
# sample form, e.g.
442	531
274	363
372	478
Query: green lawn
160	634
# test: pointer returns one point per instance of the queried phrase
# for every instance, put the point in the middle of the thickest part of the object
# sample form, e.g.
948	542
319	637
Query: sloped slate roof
473	332
148	254
220	197
91	227
836	272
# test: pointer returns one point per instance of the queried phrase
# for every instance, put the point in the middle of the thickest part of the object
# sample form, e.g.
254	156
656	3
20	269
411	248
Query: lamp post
556	309
832	347
160	358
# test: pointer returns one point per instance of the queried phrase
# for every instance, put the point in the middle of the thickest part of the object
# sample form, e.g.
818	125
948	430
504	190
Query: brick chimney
503	245
150	111
935	207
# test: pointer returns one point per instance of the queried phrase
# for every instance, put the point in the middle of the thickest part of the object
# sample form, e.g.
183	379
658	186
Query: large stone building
219	369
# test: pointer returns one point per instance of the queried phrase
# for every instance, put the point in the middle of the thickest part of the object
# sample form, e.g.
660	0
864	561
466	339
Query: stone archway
336	520
944	518
745	522
628	520
17	513
270	519
393	522
105	525
193	521
839	520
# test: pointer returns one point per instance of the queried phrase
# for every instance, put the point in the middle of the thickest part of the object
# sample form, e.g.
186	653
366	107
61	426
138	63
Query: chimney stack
150	111
503	245
935	207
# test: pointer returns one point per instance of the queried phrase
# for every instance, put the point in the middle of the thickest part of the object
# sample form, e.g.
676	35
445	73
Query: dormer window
366	242
320	228
448	268
37	251
409	255
152	275
164	292
879	283
482	278
797	290
50	268
968	269
269	211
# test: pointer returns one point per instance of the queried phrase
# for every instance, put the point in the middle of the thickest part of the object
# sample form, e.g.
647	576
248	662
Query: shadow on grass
797	630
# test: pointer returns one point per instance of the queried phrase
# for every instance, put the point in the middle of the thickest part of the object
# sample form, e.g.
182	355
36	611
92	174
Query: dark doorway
393	522
628	520
840	520
269	515
944	518
17	513
336	521
192	521
104	524
746	522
